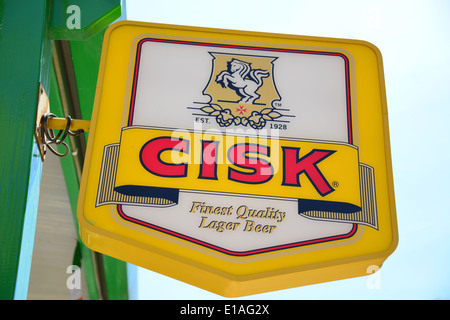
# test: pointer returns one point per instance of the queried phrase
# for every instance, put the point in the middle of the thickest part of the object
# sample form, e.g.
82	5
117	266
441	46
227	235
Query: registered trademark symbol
335	184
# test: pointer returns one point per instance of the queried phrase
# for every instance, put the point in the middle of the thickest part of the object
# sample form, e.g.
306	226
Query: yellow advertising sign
239	162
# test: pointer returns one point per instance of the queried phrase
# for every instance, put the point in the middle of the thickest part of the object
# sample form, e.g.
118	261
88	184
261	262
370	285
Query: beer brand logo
235	181
242	90
232	161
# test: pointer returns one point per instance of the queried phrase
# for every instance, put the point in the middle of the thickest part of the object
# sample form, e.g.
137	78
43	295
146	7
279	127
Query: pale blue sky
414	39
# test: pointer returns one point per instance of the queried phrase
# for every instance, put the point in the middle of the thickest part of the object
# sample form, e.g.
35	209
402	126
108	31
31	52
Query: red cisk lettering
246	156
293	167
208	165
247	163
150	156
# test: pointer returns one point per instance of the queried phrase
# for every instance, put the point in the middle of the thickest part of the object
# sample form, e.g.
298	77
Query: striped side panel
106	193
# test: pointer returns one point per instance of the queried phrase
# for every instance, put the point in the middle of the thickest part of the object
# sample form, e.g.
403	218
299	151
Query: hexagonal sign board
239	162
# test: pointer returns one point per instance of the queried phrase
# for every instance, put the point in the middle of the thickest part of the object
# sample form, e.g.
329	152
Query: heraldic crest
242	90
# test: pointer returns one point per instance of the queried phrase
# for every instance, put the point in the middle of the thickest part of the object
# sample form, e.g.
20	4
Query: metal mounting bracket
43	107
46	122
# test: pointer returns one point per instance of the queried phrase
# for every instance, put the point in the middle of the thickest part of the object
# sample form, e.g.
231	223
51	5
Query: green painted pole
27	31
25	61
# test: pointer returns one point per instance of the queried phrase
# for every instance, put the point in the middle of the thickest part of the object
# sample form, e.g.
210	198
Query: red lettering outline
150	156
293	167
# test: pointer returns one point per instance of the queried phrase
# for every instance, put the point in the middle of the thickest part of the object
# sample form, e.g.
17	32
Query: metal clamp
48	136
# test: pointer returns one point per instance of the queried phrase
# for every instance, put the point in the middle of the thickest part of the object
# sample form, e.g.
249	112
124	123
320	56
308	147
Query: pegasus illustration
240	77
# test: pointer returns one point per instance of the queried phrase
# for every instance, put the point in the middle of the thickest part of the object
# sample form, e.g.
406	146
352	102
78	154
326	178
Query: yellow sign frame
233	276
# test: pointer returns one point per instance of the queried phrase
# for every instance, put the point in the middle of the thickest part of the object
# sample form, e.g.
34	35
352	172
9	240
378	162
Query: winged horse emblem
240	77
242	90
